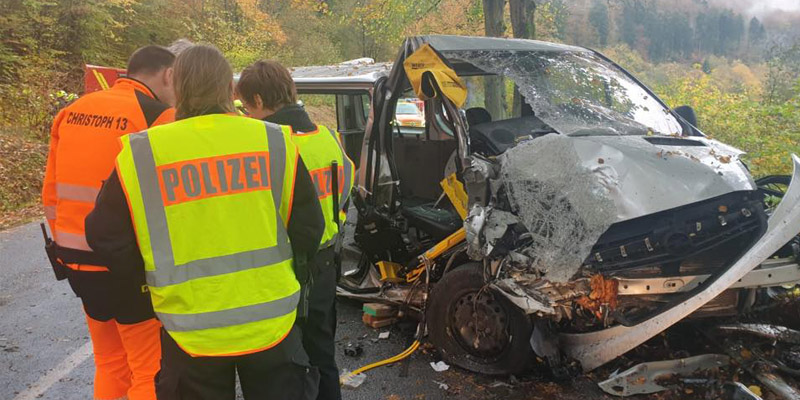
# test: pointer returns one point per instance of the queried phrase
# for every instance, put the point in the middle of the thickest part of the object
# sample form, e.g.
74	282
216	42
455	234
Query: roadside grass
22	163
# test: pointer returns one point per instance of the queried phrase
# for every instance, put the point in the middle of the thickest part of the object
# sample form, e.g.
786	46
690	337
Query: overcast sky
765	6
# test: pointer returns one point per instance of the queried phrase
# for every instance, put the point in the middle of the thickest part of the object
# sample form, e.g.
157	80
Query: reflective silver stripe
348	169
50	212
68	191
230	317
218	265
155	214
72	240
167	273
277	158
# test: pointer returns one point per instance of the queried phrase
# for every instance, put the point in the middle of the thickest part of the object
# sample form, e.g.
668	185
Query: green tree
598	18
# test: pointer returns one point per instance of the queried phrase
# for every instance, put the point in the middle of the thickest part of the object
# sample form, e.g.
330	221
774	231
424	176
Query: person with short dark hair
268	92
83	144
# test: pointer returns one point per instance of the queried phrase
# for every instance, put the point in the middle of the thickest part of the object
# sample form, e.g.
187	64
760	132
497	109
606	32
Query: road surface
45	351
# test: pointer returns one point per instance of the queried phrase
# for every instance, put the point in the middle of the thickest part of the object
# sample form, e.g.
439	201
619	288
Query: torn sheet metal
560	202
643	378
762	369
473	225
522	298
738	391
766	331
597	348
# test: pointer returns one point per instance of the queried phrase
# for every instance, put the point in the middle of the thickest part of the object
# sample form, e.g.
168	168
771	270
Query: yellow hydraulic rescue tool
454	190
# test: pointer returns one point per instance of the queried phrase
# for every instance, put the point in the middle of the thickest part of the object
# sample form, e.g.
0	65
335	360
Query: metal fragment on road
597	348
762	369
738	391
642	378
766	331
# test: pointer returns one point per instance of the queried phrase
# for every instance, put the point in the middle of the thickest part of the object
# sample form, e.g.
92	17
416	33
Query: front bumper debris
643	378
597	348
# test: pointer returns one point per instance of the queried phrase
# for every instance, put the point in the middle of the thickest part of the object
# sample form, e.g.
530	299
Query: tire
454	300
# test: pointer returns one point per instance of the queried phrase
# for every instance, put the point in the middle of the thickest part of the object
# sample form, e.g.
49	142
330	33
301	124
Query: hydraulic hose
411	349
391	360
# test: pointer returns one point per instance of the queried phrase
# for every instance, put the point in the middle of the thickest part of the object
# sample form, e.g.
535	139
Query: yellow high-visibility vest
210	199
319	150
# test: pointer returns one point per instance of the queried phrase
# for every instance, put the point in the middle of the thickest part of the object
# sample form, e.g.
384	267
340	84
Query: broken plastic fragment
383	335
351	381
440	366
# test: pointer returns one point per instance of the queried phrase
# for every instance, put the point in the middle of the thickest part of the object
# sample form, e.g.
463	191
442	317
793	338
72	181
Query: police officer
222	210
83	145
268	92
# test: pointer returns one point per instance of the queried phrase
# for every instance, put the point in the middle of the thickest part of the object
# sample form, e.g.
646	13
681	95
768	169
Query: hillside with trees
739	69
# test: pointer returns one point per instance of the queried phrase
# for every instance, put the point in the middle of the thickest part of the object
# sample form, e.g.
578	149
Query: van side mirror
688	114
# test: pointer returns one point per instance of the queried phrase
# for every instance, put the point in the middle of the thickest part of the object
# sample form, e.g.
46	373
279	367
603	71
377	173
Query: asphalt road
45	351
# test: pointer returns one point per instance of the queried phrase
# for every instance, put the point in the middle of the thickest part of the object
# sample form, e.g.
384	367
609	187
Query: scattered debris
762	368
766	331
442	385
375	323
440	366
497	384
738	391
353	349
383	335
379	310
642	378
378	315
351	381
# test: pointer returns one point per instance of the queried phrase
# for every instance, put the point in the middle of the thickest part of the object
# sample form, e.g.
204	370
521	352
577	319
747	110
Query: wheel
773	188
477	329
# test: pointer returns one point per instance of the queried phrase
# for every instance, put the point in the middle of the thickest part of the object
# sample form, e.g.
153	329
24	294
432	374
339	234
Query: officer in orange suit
83	146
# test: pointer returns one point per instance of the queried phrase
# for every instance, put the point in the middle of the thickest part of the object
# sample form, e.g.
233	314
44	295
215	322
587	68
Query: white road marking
61	370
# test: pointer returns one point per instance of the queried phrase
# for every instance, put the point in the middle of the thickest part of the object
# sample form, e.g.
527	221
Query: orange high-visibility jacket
83	146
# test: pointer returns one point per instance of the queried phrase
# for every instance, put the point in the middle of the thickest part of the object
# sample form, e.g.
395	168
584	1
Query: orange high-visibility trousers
126	358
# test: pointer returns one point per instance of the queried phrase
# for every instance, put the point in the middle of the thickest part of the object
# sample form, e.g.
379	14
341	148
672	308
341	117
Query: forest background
737	63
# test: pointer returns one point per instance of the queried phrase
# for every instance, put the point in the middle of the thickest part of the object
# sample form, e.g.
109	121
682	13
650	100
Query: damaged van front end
592	216
594	233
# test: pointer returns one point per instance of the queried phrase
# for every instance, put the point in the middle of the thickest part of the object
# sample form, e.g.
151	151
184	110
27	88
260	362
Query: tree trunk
523	26
494	90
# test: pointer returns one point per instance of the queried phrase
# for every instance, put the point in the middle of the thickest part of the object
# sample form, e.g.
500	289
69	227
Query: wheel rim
479	324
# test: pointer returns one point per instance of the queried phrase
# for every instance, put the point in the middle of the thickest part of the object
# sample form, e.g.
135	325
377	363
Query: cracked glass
576	93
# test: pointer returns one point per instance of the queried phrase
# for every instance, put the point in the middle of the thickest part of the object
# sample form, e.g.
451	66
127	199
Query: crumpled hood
645	175
568	190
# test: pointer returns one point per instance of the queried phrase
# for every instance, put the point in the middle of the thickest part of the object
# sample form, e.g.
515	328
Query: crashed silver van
562	210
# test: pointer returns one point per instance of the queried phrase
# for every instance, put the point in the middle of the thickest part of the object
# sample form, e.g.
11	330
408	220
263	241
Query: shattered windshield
576	93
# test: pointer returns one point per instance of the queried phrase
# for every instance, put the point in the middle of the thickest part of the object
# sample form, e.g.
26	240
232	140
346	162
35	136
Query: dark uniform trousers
282	372
319	329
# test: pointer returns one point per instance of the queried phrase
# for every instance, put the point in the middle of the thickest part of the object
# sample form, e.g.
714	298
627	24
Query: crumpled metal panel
597	348
644	178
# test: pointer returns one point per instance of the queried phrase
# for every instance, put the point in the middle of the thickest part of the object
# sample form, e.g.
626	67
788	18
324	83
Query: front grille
701	237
